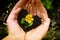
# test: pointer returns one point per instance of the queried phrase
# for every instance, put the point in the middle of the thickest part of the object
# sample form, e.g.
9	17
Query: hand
39	32
15	32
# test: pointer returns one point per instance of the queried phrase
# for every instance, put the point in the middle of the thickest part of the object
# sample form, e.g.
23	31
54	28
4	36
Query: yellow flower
29	18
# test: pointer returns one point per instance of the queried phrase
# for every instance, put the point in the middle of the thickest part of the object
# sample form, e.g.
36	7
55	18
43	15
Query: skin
16	32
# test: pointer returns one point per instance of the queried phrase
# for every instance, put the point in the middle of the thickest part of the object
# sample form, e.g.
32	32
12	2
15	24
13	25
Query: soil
22	14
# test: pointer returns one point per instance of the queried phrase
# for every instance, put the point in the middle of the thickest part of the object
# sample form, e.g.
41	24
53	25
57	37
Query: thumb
13	15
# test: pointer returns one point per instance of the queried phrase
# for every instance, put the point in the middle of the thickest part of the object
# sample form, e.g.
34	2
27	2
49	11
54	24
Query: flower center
29	18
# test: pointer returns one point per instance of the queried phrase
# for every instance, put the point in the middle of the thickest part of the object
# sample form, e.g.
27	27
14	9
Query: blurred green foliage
53	9
48	4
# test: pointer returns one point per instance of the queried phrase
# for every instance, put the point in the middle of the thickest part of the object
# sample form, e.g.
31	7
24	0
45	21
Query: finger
41	7
41	14
26	6
13	15
20	3
29	4
35	10
43	11
38	11
44	17
38	2
29	7
31	10
32	3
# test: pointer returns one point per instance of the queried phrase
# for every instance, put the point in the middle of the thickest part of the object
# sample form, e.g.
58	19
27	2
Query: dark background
53	8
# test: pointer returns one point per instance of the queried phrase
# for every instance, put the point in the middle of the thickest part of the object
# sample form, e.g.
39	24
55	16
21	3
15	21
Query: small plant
27	21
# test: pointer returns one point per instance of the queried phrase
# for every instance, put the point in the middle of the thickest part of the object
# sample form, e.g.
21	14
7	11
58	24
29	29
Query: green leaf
31	24
23	21
48	4
25	26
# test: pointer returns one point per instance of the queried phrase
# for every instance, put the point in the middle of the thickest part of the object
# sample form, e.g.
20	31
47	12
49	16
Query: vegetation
53	8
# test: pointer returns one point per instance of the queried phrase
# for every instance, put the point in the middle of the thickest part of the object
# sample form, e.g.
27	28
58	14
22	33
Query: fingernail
19	8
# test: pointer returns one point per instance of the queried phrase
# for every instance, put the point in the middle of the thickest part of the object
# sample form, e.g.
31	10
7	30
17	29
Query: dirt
22	14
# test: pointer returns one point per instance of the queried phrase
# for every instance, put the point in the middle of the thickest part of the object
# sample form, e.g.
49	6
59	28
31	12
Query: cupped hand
15	32
38	9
